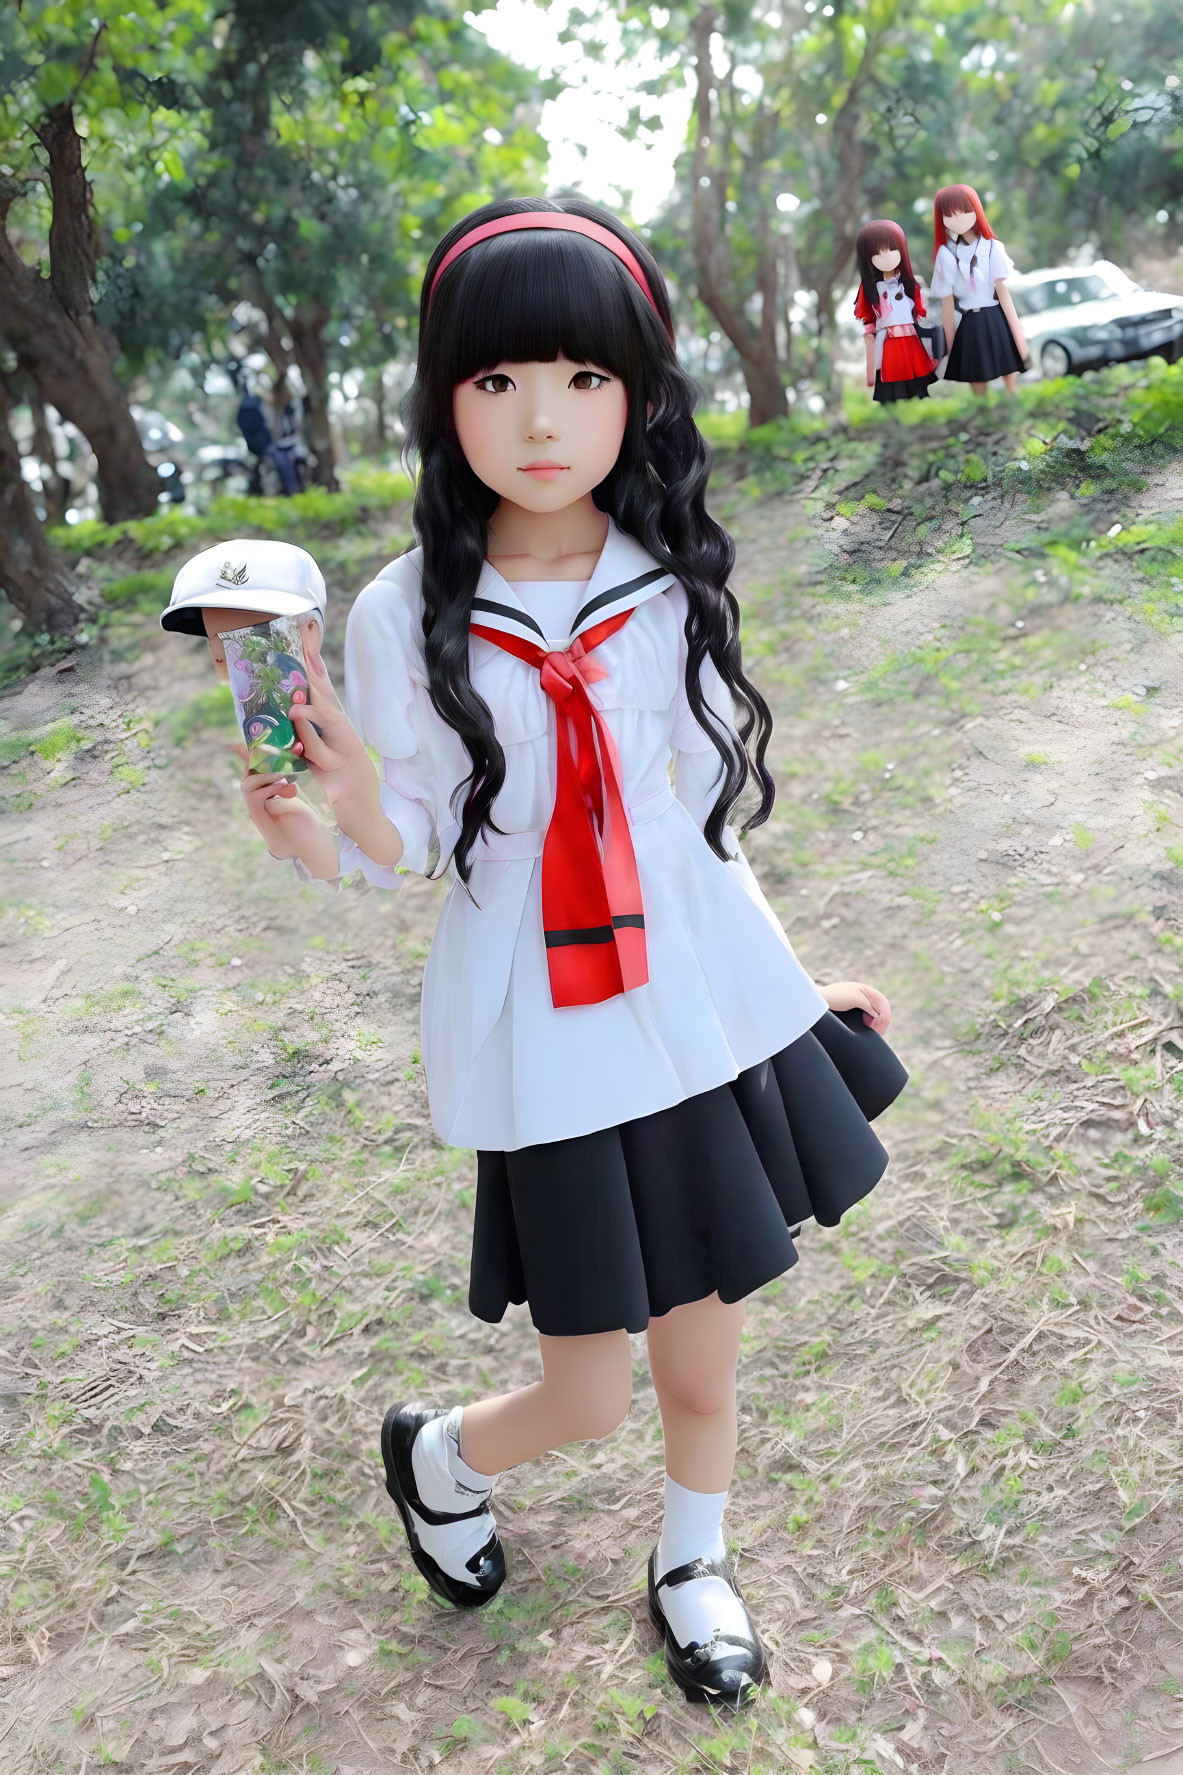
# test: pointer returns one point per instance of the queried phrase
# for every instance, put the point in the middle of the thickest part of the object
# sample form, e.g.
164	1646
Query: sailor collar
625	575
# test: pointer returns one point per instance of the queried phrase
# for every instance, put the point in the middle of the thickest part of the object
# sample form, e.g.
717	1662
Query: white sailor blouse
709	983
969	272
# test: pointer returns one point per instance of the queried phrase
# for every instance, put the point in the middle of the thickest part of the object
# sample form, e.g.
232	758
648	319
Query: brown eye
506	382
580	379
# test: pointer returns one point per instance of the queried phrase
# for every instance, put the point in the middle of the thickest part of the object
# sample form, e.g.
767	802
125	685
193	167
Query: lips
545	471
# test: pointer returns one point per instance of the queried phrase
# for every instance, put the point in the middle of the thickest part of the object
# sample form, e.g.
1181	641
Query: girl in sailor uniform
613	1018
969	271
889	304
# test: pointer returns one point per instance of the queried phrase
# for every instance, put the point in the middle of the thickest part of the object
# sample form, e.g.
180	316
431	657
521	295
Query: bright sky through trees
582	127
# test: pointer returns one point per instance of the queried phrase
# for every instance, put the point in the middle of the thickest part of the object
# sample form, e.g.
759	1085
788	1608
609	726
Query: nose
541	426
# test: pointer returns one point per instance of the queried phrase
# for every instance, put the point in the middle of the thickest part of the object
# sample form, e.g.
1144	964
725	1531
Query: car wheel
1054	360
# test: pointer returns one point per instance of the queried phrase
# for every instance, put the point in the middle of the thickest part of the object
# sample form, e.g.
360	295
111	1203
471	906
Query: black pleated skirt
911	389
607	1230
983	347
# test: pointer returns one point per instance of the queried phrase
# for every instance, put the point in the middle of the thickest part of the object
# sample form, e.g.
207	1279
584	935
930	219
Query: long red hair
949	199
880	237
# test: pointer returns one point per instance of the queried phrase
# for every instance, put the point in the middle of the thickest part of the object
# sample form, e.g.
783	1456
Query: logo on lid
232	576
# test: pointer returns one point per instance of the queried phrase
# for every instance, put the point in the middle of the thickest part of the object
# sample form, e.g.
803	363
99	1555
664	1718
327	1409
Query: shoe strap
439	1517
697	1568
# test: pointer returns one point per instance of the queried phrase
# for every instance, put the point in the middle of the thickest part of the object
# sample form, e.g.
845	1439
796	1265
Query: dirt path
230	1239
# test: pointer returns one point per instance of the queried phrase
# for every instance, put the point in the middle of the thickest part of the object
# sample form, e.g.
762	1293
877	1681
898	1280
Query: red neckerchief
592	914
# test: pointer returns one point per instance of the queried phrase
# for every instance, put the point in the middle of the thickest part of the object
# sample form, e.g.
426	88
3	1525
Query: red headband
550	219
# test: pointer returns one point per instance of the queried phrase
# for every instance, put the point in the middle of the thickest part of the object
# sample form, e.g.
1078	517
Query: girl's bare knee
693	1351
705	1394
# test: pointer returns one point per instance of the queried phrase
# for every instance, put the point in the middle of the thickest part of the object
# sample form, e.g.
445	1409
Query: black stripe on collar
522	617
616	592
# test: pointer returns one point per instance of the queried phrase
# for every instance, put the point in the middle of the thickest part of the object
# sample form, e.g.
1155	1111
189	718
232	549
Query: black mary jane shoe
400	1427
726	1668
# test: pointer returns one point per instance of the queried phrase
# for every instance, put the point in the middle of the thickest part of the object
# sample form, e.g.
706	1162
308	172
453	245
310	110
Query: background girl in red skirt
889	303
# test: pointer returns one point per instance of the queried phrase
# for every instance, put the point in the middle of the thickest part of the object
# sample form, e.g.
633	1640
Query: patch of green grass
147	590
127	996
60	739
209	708
369	494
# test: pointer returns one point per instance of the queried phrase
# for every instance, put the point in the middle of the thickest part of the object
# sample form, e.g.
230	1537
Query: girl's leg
693	1353
979	387
1010	382
585	1392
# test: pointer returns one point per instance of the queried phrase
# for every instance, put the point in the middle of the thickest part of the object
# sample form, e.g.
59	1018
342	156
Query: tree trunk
307	326
380	433
50	325
55	488
35	580
757	351
766	391
845	206
824	373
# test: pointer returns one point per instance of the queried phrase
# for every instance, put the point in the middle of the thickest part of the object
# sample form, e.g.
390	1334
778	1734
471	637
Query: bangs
956	199
534	296
881	237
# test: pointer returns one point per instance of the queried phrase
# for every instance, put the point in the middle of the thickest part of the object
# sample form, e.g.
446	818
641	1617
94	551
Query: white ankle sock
445	1481
692	1529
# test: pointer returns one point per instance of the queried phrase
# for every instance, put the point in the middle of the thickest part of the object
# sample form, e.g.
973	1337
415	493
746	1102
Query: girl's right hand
335	755
288	824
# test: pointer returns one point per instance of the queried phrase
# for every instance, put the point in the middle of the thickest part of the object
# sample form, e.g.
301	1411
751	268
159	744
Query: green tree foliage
330	157
170	175
78	84
810	118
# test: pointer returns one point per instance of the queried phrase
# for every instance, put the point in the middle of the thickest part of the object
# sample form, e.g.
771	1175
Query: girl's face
961	222
887	261
541	435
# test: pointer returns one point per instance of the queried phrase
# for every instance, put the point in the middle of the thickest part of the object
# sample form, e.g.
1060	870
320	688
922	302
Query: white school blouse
895	307
504	1067
950	272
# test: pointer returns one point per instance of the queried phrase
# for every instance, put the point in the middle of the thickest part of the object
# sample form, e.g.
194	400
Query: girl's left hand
850	995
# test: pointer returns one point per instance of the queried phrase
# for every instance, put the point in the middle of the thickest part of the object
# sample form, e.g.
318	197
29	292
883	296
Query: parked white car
1080	317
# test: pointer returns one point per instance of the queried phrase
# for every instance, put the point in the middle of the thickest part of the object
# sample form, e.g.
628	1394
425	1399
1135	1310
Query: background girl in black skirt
971	265
613	1016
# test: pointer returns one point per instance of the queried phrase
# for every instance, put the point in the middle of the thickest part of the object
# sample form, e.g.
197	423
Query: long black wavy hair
531	296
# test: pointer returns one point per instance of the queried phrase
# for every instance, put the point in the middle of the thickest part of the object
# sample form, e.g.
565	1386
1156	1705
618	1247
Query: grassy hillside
230	1238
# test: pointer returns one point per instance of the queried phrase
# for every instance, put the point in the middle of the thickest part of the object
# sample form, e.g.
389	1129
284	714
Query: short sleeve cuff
941	282
303	873
380	874
425	852
414	825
